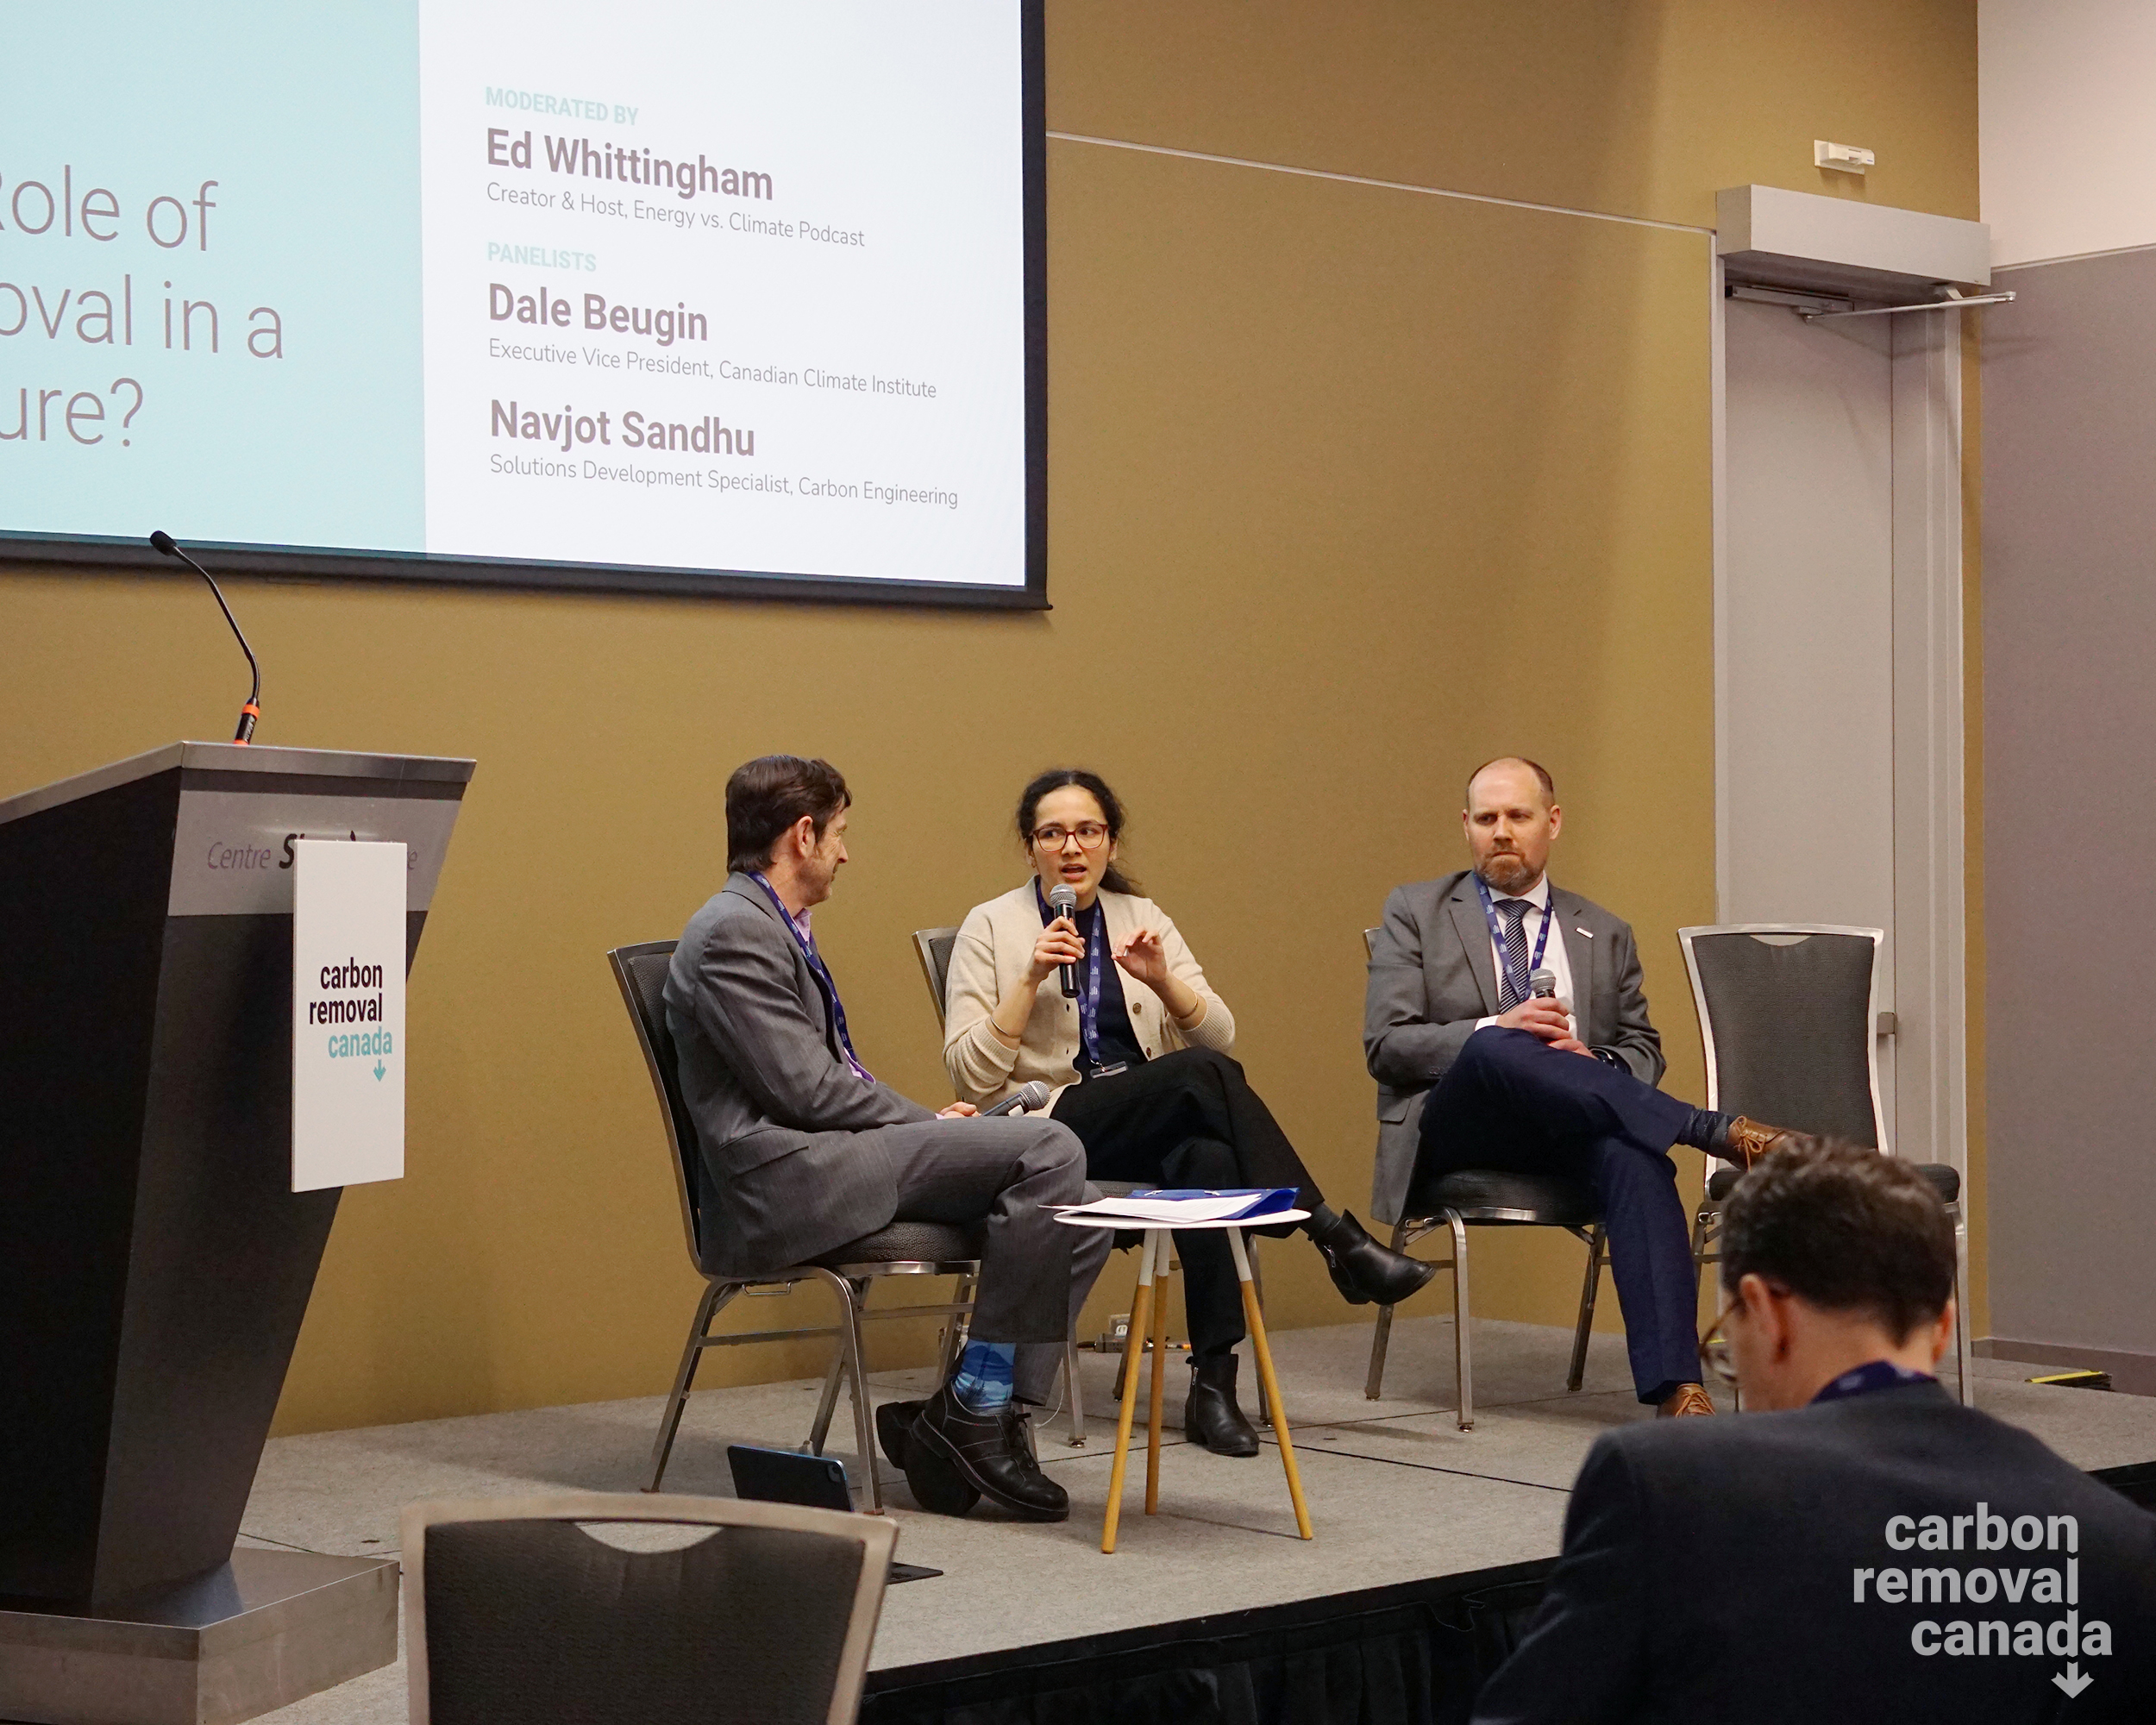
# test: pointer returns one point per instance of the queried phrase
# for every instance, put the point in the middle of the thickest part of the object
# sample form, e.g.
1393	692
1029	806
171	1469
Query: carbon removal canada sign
347	1012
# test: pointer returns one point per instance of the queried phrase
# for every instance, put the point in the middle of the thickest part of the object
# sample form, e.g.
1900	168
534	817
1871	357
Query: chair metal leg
827	1402
1594	1250
1462	1352
1374	1384
1257	1287
716	1294
1074	1394
857	1386
952	1340
1963	1386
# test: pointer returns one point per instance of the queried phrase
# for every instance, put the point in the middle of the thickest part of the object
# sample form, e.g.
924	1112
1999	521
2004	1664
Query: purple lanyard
1877	1374
822	974
1497	935
1090	989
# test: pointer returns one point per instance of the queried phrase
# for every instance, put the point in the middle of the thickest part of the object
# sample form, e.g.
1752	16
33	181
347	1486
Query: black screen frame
101	551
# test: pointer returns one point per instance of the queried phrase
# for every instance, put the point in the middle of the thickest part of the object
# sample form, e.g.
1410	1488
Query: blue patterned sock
982	1382
1708	1130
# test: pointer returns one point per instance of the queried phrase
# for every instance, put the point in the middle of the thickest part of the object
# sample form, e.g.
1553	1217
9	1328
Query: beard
1505	874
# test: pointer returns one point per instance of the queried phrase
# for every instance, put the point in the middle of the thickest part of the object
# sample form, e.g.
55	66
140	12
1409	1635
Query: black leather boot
1366	1272
987	1452
1210	1416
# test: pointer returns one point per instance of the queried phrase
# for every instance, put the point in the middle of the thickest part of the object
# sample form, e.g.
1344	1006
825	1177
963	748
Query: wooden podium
154	1262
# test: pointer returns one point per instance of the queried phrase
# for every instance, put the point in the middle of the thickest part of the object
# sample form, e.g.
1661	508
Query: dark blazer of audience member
1138	1061
1856	1545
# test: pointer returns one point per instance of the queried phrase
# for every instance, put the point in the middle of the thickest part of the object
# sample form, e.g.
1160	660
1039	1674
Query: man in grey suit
1506	1027
802	1150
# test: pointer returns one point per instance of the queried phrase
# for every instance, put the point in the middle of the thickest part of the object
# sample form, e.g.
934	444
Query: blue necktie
1510	992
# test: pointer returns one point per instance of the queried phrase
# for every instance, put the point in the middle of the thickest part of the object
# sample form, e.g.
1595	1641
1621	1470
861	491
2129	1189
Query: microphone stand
164	544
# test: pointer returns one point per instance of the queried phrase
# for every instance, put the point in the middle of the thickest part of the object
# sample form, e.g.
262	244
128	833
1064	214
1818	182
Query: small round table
1150	1309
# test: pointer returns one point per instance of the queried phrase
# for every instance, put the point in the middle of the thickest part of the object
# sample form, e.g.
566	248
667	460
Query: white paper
347	1012
1213	1208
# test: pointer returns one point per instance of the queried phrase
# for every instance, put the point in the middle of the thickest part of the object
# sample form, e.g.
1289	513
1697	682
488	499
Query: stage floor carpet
1398	1496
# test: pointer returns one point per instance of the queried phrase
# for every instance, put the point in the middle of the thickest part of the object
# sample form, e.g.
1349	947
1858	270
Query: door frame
1930	986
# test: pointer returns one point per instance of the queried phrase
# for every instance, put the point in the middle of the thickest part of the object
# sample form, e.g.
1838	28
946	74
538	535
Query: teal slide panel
209	286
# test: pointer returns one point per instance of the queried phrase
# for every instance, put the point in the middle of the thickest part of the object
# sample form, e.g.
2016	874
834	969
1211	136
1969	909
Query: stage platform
1409	1512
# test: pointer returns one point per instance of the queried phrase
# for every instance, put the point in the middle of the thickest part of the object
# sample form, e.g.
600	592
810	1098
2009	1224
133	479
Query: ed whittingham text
604	160
704	436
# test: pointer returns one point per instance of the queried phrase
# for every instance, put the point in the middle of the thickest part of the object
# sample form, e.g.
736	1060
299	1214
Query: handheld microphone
1031	1100
1543	982
1062	898
163	544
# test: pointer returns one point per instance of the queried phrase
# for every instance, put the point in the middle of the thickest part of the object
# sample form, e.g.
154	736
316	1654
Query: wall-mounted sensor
1842	158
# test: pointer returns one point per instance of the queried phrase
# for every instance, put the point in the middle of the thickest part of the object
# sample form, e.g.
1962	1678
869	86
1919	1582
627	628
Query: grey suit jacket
1431	976
776	1107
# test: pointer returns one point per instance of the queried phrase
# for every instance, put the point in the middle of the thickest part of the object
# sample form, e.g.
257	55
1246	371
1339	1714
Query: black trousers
1512	1101
1188	1119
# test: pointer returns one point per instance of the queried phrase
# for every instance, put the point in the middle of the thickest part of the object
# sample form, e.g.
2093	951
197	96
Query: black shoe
936	1485
1210	1416
1365	1271
986	1452
892	1420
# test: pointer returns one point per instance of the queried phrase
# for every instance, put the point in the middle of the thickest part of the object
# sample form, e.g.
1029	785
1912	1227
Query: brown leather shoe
1688	1401
1750	1139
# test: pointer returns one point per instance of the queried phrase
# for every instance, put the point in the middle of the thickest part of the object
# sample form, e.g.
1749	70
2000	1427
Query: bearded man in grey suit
802	1150
1504	1024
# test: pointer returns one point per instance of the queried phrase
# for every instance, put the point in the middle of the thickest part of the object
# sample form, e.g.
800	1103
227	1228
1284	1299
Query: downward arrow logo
377	1073
2072	1679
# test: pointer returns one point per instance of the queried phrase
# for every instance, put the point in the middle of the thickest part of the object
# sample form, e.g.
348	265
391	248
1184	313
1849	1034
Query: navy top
1118	1042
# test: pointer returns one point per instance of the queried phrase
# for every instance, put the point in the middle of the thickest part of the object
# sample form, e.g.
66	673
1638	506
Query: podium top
423	774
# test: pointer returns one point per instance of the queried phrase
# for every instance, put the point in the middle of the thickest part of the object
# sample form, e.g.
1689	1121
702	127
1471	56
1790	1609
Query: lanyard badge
818	970
1497	937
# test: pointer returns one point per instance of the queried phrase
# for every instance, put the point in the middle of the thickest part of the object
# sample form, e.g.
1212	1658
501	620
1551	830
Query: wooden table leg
1156	1242
1141	1311
1255	1320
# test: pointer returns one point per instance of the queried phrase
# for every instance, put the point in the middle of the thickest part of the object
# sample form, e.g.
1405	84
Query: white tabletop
1141	1225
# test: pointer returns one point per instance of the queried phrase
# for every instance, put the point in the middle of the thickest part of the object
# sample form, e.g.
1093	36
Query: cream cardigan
994	946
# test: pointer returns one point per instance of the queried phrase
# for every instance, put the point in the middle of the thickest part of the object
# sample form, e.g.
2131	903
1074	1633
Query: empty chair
512	1610
1789	1014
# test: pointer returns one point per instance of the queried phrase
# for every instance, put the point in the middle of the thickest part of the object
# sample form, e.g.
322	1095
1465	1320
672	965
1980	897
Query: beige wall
1350	488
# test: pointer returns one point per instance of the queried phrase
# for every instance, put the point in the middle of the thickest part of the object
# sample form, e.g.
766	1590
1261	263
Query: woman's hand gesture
1060	944
1145	957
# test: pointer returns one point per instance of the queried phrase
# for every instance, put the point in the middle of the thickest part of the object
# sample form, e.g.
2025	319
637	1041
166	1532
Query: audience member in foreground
1138	1061
1477	1068
804	1151
1855	1545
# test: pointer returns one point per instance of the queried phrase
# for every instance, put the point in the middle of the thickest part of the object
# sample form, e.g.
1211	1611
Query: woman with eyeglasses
1138	1058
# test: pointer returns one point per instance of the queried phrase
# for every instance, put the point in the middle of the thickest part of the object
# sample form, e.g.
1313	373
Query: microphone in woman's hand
1030	1099
1062	898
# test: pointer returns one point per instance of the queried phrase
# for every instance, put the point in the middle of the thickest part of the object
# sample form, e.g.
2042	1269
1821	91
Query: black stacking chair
512	1610
1488	1197
1789	1015
901	1249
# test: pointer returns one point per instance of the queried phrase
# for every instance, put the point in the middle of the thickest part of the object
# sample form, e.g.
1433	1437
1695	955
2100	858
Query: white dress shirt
1553	957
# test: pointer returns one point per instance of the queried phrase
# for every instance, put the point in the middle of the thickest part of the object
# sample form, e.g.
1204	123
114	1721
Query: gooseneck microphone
1030	1099
1062	898
163	544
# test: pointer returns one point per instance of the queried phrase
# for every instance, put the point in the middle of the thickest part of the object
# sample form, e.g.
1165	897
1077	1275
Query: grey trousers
1035	1272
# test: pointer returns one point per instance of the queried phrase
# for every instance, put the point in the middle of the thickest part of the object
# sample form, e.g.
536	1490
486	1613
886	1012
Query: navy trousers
1511	1101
